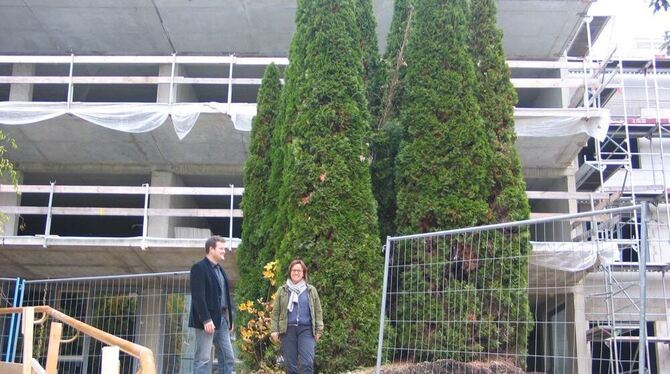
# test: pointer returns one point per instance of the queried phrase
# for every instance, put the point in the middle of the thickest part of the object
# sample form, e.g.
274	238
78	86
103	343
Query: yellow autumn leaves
255	334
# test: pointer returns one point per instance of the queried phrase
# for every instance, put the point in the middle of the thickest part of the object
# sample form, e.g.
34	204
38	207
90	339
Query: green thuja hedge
442	166
447	178
393	60
326	195
457	167
373	77
384	143
387	130
257	198
507	199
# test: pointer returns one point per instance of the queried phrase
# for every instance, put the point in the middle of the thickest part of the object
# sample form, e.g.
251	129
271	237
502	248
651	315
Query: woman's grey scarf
296	290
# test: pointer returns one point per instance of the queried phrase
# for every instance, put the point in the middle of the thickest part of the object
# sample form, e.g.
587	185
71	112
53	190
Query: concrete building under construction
132	122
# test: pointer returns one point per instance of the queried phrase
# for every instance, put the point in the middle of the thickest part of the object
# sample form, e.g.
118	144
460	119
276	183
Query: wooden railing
143	354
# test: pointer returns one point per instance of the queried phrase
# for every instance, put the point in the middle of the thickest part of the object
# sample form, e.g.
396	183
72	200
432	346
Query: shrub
256	347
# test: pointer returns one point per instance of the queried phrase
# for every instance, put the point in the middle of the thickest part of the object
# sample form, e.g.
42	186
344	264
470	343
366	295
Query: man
211	310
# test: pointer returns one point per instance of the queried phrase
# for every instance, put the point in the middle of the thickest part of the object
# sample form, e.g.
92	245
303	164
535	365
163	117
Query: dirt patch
447	367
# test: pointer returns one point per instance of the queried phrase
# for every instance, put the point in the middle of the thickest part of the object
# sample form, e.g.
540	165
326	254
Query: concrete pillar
17	92
161	227
565	92
662	328
575	307
180	92
164	227
151	322
11	225
558	232
22	91
658	233
571	186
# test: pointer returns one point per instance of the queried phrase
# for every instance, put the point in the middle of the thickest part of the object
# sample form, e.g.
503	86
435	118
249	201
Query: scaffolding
630	165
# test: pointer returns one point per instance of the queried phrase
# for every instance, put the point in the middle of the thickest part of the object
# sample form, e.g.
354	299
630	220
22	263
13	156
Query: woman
297	320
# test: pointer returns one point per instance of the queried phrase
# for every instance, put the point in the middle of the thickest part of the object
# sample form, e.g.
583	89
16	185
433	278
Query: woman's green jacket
280	311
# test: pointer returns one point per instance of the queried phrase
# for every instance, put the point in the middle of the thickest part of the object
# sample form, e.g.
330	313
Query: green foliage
457	167
497	98
502	274
372	67
457	339
174	327
114	314
257	199
385	142
326	192
274	220
386	129
442	166
508	199
394	60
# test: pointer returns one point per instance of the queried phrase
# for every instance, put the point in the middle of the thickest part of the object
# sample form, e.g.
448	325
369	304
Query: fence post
15	321
642	259
110	360
382	314
55	334
27	328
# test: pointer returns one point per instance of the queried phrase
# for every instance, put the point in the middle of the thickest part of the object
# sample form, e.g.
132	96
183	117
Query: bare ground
446	367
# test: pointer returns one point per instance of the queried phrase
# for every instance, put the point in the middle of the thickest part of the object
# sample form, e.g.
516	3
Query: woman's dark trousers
298	349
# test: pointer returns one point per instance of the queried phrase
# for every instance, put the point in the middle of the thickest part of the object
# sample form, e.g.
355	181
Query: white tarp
564	264
126	117
531	122
144	117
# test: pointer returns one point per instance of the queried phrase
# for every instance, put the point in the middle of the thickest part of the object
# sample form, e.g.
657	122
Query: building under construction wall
132	123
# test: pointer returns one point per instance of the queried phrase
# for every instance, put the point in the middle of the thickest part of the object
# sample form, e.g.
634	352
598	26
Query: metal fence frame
154	296
642	209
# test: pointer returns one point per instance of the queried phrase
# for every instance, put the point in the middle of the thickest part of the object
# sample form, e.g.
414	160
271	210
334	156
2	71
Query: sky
632	29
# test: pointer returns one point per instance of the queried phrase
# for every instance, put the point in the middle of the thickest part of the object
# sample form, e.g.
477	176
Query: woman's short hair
302	264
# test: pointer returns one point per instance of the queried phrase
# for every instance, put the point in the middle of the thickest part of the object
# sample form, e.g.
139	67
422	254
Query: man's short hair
211	242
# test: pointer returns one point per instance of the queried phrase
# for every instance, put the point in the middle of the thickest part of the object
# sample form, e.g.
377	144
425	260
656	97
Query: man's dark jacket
205	296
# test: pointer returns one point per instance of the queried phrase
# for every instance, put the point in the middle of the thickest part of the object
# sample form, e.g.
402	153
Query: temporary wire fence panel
510	295
147	309
8	323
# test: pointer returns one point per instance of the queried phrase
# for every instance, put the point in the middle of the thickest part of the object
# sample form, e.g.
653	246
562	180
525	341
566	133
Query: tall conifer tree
386	128
443	183
442	166
257	198
372	67
508	200
326	191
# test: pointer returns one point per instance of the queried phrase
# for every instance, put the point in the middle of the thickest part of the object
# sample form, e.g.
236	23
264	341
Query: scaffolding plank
120	212
80	241
61	59
634	266
123	190
565	195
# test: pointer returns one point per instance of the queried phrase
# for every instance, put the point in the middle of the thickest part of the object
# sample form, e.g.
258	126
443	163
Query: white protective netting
532	122
127	117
